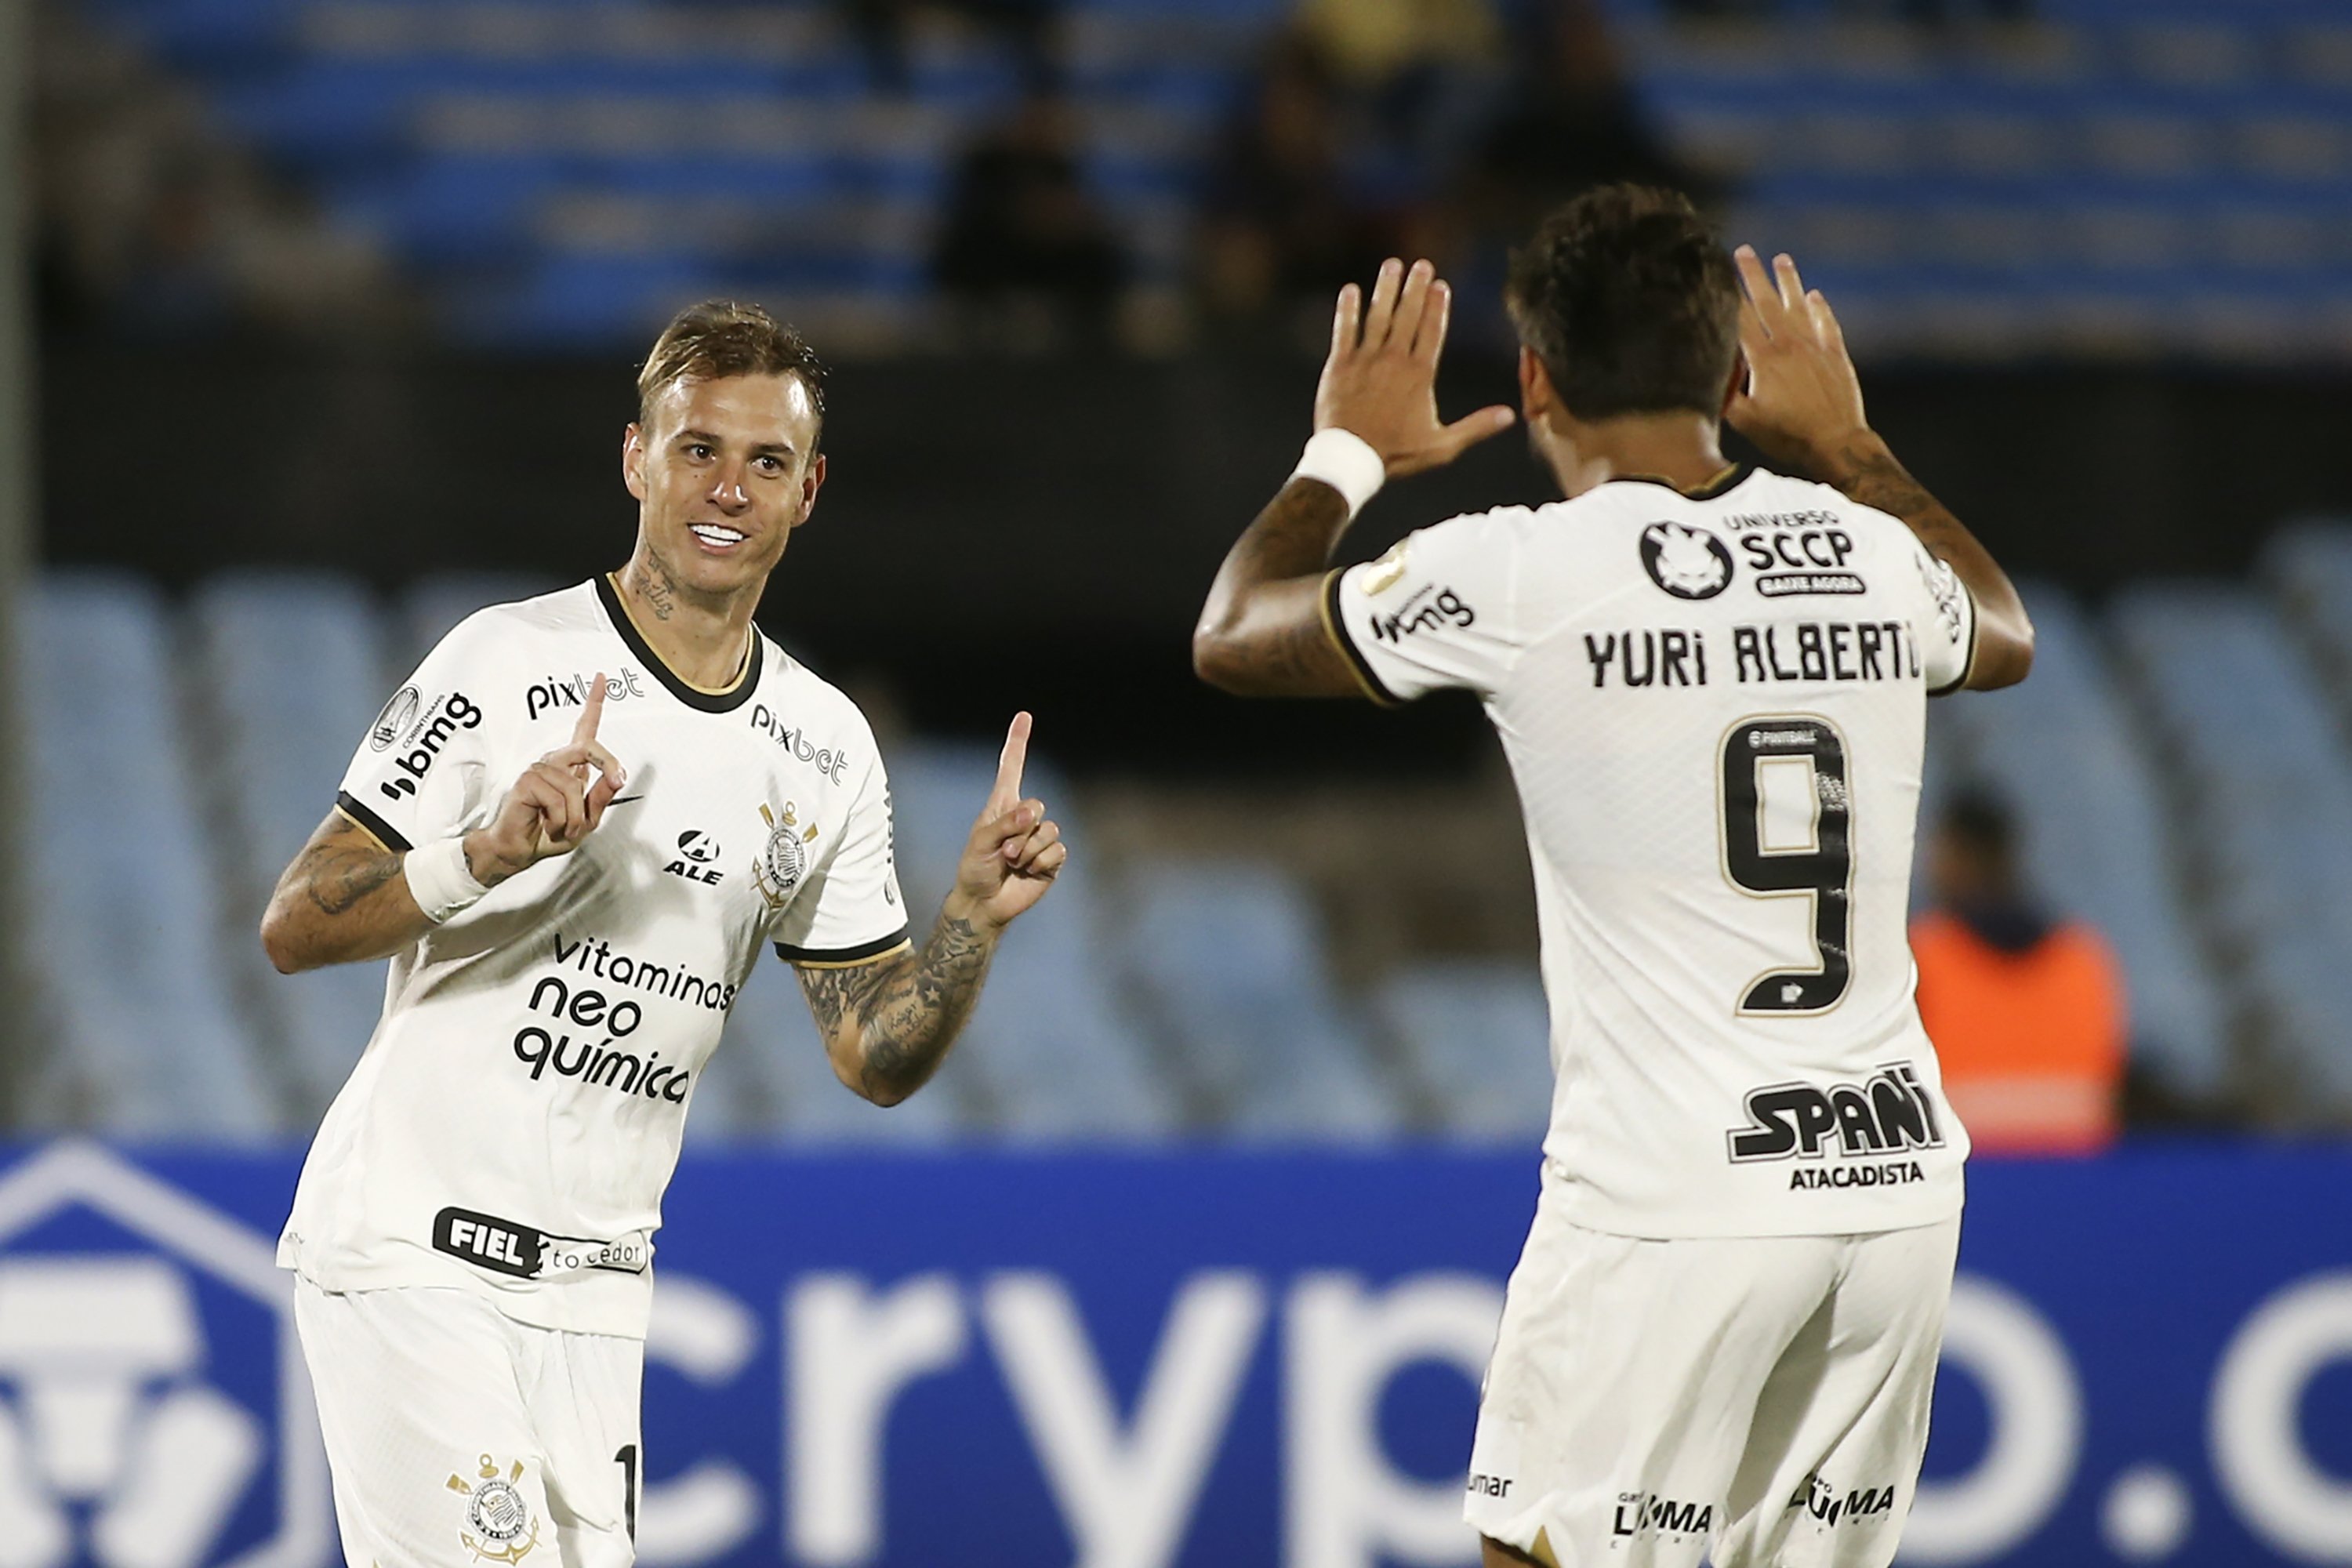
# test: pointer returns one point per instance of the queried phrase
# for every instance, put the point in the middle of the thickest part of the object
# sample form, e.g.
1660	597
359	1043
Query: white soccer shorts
1765	1398
458	1438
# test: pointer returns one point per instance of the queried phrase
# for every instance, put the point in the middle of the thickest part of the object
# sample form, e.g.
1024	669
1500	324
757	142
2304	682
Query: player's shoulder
521	624
789	686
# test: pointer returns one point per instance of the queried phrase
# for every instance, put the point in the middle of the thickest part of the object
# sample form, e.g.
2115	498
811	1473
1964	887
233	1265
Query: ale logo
153	1408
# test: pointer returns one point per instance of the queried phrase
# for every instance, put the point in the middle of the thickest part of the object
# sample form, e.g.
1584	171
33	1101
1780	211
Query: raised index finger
1009	763
586	731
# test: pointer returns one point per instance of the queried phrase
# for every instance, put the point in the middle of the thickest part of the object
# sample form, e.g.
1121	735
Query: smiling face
723	468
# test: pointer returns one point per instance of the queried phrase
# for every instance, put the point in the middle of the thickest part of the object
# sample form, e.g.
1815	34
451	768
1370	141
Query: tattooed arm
1802	406
888	1023
1261	633
344	899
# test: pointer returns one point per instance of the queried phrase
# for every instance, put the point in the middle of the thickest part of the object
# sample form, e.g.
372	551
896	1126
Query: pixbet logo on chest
572	693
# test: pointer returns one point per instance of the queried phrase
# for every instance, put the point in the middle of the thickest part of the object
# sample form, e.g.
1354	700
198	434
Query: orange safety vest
2031	1043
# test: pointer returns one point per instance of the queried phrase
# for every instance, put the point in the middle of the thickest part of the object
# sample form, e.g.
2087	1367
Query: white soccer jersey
1714	709
517	1115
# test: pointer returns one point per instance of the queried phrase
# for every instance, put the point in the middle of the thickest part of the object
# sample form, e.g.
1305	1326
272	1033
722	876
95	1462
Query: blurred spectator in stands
1027	257
2026	1011
1279	229
1032	28
1416	75
1570	123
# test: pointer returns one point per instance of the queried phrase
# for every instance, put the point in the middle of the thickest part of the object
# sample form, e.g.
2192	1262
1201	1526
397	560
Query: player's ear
1536	394
811	482
633	461
1735	384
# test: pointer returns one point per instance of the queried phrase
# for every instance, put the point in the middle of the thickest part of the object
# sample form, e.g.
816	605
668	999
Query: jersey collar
693	696
1727	479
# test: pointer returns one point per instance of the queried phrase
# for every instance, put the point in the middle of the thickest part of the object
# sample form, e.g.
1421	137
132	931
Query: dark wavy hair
1630	301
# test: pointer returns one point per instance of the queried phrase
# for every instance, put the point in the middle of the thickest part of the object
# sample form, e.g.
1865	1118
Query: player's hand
554	807
1015	853
1380	382
1802	401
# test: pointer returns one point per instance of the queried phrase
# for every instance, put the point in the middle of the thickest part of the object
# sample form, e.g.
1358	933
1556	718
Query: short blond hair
722	338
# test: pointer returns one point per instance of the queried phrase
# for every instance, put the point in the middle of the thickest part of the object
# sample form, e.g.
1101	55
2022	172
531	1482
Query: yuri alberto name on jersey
1795	653
592	1010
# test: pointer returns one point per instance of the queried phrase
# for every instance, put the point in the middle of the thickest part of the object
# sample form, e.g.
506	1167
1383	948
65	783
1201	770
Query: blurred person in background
1279	227
1733	1292
1031	28
2026	1010
1025	251
1569	121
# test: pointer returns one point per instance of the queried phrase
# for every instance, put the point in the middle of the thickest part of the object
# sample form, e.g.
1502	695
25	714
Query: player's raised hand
554	806
1015	853
1802	400
1381	380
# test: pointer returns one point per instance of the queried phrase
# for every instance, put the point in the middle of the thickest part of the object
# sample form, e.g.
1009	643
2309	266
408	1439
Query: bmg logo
153	1412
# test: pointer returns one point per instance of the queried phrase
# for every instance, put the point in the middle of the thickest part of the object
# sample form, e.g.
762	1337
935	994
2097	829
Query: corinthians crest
784	860
499	1525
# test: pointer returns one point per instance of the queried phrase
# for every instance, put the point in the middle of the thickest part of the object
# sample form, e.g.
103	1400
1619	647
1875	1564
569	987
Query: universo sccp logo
153	1408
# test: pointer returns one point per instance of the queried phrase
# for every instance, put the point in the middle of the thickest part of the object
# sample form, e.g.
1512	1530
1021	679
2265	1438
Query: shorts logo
394	722
1820	1499
499	1525
1689	562
784	860
1648	1513
697	851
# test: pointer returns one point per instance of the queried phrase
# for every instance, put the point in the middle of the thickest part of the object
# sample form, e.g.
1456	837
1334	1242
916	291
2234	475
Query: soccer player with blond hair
572	831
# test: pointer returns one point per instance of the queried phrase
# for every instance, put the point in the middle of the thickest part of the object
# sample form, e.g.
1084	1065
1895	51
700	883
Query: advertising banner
1204	1359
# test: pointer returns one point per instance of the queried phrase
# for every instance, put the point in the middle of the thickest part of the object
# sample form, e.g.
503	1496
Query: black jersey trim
1730	479
843	957
385	834
1374	687
693	696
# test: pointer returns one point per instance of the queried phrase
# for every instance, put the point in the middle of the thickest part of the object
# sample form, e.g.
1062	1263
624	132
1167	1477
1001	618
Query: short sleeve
423	771
1946	623
849	910
1439	610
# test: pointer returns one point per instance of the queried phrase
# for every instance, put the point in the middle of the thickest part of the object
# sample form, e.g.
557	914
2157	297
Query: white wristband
1345	461
440	879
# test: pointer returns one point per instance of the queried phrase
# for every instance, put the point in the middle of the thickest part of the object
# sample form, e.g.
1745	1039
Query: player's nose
726	490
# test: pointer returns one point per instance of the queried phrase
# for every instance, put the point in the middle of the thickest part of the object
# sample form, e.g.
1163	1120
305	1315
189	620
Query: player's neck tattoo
649	582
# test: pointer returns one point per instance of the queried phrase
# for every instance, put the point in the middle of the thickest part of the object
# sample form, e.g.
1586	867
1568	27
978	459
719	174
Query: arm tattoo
343	871
1286	648
907	1011
1869	474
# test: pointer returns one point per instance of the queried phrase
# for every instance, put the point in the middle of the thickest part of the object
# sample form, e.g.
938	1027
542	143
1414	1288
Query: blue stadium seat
2309	564
1477	1034
1229	957
297	661
2060	750
1049	1040
2270	793
131	953
435	604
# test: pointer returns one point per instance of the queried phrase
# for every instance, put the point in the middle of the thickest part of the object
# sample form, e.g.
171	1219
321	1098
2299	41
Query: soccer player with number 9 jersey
1711	683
